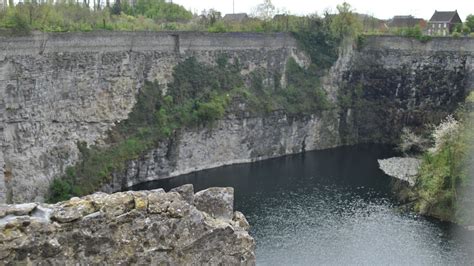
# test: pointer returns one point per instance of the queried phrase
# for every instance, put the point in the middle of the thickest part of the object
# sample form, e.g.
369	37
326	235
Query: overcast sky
378	8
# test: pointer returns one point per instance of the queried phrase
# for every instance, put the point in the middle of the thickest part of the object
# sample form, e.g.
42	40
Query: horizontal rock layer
142	227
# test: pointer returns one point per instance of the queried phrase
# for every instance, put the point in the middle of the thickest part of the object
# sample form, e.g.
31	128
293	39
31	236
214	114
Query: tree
211	16
345	23
265	11
470	22
116	8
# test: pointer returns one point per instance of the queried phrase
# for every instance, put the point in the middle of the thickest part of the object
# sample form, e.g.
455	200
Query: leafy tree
160	10
315	37
470	22
211	16
116	8
15	21
345	23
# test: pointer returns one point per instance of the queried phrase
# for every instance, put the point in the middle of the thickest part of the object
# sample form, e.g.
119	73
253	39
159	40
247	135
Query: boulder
186	191
72	210
18	209
118	204
217	202
405	169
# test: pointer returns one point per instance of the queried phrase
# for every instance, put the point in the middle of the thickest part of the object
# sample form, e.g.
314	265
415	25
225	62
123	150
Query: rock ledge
405	169
142	227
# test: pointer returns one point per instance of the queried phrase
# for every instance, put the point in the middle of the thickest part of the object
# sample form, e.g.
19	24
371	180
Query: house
443	23
237	18
398	22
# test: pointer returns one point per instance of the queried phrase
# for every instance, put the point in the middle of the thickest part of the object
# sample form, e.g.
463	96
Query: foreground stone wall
144	227
58	89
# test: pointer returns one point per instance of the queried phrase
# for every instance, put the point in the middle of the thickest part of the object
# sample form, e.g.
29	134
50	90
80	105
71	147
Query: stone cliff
62	88
58	89
143	227
389	83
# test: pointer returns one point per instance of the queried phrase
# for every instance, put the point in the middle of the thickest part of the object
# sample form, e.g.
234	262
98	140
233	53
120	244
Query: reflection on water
331	207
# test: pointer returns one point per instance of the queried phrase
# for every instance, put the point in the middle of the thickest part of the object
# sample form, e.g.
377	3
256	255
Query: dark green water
331	207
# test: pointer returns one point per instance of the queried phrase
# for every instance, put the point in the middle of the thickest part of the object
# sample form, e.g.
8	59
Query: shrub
218	27
60	190
16	22
445	171
456	34
412	143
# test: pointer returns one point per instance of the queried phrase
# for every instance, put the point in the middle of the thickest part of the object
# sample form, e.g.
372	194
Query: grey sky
381	9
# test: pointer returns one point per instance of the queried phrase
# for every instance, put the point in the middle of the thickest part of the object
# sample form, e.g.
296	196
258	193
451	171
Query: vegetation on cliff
445	181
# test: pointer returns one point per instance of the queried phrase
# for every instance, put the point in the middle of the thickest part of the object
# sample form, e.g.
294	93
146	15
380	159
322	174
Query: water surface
331	207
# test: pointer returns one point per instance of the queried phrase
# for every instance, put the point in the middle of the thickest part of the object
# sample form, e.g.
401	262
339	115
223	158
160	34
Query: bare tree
265	10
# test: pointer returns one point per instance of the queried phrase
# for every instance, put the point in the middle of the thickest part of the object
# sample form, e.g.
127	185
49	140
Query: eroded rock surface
143	227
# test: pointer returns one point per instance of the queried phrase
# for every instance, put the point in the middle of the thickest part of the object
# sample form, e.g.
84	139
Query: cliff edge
142	227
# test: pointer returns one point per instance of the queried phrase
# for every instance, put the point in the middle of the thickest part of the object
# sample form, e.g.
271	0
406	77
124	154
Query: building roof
238	17
404	22
444	16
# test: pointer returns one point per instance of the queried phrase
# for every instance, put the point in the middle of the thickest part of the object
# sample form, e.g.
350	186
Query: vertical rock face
392	82
145	227
229	141
58	89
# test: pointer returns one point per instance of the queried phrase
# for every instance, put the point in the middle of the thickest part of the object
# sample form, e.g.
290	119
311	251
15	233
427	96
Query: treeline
156	15
66	16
